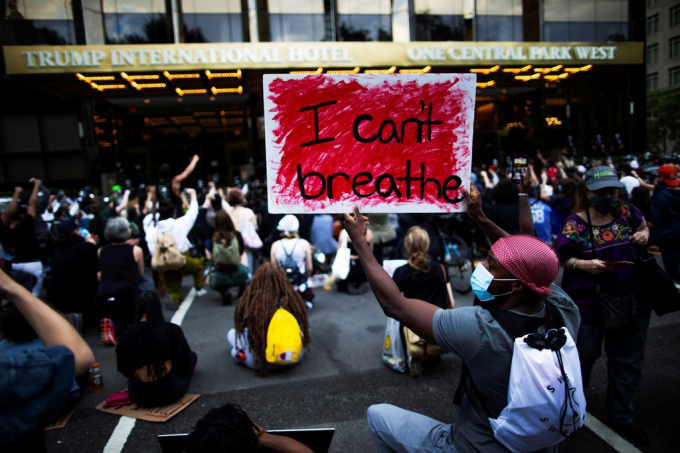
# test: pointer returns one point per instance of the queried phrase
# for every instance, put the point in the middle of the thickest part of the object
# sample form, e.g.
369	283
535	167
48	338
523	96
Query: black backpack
295	277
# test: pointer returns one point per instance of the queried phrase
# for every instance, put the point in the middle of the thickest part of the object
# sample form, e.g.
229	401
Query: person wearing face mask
516	283
615	229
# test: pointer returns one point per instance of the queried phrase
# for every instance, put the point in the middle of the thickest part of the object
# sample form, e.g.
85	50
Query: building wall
663	44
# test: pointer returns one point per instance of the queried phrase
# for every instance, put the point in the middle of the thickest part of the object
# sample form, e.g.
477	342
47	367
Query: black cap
67	226
601	177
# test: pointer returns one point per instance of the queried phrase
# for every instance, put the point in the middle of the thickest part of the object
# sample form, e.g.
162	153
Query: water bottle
96	378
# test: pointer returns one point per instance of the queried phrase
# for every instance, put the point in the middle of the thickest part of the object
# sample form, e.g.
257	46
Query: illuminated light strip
425	70
485	71
547	70
318	71
95	78
130	78
238	90
211	75
107	87
180	76
517	70
151	85
182	92
392	70
490	83
555	77
526	78
587	67
353	71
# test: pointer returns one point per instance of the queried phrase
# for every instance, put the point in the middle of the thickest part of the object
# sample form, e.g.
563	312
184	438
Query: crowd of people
114	260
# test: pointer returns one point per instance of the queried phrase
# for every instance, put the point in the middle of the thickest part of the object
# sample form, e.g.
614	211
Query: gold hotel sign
191	57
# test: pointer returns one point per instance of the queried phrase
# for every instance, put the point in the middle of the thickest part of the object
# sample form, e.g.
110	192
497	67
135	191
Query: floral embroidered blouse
612	243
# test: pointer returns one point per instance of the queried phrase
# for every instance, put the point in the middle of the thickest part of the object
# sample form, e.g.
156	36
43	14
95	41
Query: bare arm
139	259
184	175
52	328
123	202
309	267
33	201
643	183
473	202
279	444
415	314
12	207
526	220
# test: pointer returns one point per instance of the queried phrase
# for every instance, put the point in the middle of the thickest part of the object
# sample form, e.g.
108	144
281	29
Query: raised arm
123	202
33	201
184	175
413	313
473	202
526	221
52	328
12	207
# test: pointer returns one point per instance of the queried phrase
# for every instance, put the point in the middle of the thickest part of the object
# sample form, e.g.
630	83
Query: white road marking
126	424
181	312
609	436
120	435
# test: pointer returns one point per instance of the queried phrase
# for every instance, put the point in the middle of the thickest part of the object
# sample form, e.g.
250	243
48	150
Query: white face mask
481	280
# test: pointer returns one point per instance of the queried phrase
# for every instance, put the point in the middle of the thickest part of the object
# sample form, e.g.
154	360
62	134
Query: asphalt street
342	376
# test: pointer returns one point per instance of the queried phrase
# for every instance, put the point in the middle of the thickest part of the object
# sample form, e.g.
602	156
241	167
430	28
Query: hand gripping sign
388	143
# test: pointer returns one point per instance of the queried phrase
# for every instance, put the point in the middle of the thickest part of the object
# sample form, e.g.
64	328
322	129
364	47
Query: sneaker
201	292
358	288
76	320
107	333
631	432
170	303
309	305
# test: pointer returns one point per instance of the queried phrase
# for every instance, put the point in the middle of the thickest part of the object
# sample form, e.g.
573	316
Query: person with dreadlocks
154	355
268	291
228	429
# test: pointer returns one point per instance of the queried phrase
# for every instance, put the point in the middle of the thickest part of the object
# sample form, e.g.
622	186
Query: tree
663	121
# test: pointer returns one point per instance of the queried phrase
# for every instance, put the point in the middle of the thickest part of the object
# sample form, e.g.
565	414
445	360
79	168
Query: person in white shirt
629	179
292	247
180	227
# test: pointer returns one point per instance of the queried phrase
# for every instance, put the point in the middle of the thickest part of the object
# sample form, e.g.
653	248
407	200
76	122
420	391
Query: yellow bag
284	339
418	348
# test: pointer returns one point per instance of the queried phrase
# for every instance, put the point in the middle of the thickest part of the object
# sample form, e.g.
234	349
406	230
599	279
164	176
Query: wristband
522	195
573	265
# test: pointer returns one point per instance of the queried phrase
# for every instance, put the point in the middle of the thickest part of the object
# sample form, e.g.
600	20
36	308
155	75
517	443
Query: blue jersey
543	217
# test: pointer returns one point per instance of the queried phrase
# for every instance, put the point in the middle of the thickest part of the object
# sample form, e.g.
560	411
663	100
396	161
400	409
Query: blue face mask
481	280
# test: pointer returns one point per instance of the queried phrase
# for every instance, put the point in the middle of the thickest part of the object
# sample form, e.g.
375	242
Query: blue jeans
398	430
625	355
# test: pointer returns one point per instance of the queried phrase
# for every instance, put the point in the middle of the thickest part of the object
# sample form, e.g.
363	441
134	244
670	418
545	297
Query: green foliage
663	122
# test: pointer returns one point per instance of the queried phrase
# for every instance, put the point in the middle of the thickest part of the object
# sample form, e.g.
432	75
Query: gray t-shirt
476	337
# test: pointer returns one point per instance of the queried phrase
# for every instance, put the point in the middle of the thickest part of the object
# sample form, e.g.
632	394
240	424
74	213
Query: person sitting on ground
518	276
35	384
228	258
422	278
122	267
18	235
180	228
268	291
293	249
239	215
228	429
154	355
75	265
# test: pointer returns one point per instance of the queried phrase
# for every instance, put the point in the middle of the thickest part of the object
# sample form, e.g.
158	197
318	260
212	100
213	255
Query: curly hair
223	429
269	290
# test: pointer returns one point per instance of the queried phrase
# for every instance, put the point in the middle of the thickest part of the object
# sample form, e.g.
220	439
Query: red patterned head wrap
529	259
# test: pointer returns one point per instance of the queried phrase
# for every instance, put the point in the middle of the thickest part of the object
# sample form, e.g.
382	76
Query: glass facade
35	22
361	20
498	20
653	54
674	76
439	20
136	22
212	21
585	20
653	81
299	20
674	14
652	24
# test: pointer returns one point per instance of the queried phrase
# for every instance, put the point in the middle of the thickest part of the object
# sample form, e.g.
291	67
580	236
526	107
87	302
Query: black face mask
604	205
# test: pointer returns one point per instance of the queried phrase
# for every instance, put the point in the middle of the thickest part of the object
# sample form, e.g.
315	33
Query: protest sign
388	143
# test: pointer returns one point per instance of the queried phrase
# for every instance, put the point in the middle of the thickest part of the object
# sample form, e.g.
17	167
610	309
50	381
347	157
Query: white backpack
545	392
545	396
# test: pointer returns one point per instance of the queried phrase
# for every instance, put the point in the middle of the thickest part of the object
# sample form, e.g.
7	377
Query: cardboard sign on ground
61	422
385	142
151	414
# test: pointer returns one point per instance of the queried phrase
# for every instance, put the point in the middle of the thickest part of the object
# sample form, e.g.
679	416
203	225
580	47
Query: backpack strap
289	255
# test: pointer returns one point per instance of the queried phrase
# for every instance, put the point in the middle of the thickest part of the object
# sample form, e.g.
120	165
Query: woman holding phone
597	248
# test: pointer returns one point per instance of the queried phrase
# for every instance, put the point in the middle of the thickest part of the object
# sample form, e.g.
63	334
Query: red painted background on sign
397	101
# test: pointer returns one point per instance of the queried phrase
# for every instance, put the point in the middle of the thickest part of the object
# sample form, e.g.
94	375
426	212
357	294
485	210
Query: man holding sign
387	143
